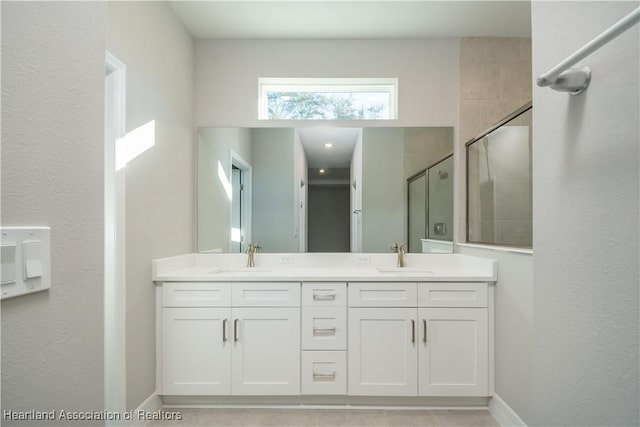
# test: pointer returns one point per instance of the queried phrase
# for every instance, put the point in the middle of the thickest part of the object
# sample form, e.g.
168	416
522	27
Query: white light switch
26	260
32	255
8	257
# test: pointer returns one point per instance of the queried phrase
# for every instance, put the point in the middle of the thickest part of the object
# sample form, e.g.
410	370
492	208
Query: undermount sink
404	270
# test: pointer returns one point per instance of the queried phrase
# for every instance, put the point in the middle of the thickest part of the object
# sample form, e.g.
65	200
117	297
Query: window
499	209
327	99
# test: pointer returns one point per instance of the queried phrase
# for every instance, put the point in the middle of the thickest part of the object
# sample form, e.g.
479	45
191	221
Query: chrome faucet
400	250
251	250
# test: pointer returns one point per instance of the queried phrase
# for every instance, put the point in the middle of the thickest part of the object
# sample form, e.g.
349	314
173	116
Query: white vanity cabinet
324	338
230	339
319	338
418	339
196	351
382	352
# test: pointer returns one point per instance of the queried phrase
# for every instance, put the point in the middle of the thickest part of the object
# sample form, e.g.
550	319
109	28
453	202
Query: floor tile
351	418
411	418
243	418
475	418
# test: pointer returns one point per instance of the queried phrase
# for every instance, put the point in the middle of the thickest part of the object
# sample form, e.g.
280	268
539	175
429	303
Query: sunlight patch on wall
224	180
134	143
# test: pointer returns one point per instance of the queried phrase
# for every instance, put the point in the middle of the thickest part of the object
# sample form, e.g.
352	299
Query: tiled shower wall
495	80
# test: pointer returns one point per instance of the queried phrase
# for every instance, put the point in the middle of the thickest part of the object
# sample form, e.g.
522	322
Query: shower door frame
414	177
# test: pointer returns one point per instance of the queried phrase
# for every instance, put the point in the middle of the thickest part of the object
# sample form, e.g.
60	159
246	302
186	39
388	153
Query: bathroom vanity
320	325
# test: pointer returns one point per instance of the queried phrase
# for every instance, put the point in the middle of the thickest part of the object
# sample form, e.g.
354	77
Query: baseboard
152	404
504	415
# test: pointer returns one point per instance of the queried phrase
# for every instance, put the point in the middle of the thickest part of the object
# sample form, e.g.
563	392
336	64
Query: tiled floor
328	418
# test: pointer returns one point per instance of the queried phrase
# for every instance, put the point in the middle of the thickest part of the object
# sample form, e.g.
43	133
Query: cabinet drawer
324	328
383	295
196	294
265	294
324	294
324	372
452	294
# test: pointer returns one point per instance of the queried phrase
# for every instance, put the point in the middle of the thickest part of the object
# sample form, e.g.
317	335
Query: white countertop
324	267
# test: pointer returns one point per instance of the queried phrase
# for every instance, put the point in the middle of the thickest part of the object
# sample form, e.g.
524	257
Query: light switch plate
30	268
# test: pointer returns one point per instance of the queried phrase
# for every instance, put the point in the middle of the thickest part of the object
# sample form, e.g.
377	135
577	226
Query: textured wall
228	71
585	212
159	55
53	70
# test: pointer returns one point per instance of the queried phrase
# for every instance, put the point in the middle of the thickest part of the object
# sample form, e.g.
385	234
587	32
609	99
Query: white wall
227	75
159	56
214	206
273	189
383	189
513	326
586	223
53	71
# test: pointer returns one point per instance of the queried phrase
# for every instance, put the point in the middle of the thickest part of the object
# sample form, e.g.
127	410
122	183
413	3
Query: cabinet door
453	352
266	351
196	351
383	352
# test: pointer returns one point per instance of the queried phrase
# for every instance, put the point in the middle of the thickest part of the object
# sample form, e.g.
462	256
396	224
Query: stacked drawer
324	338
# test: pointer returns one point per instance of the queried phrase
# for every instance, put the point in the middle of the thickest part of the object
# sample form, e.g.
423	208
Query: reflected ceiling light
328	145
321	171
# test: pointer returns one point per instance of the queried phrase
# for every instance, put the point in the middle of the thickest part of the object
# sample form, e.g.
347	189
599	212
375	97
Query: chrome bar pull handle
331	375
324	330
424	331
224	330
413	331
328	296
235	330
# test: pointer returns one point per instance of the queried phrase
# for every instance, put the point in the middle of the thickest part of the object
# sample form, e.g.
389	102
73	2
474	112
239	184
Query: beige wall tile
525	52
471	118
495	110
480	79
515	79
474	49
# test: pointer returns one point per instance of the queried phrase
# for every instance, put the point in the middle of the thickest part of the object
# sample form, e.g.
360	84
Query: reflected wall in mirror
318	189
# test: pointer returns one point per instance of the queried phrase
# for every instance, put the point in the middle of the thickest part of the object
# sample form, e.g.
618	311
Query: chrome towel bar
575	81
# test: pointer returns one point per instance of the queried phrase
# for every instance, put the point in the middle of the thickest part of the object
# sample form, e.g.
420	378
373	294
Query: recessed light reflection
328	145
321	171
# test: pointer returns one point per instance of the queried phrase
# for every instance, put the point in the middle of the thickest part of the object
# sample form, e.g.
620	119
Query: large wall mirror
324	189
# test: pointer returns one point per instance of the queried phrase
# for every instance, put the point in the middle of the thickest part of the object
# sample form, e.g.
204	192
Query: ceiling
338	19
318	156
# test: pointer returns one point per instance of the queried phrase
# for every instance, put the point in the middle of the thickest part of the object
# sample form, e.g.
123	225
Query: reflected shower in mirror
323	189
430	200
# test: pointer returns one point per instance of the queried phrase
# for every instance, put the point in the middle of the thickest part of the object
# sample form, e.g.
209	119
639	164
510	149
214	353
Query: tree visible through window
327	99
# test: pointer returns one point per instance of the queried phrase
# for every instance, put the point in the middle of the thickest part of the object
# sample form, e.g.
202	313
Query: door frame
246	177
115	383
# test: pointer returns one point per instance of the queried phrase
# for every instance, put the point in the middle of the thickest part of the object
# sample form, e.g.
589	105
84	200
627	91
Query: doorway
332	159
240	203
329	218
115	387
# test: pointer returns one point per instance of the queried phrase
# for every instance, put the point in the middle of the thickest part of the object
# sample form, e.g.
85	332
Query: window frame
332	85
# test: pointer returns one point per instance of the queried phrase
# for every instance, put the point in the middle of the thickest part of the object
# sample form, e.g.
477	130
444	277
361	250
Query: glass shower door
440	201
